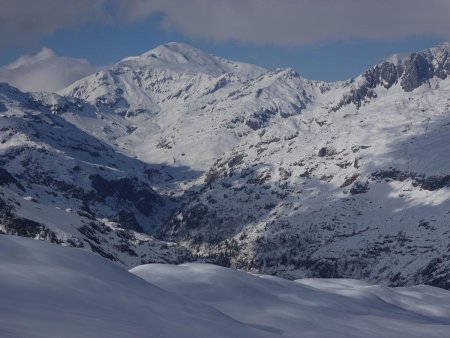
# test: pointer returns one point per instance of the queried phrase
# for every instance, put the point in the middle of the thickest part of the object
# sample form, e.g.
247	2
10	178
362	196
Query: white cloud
44	71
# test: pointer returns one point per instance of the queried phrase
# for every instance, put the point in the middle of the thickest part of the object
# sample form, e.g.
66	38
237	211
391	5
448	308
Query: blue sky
332	42
330	61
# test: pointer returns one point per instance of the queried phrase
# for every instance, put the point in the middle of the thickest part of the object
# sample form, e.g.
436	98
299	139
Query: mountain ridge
268	172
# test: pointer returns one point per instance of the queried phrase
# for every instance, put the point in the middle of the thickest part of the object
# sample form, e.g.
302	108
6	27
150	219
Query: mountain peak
177	52
443	46
412	70
432	52
173	53
409	71
183	57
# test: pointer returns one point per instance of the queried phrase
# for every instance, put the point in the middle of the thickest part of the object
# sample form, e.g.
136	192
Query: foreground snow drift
312	307
52	291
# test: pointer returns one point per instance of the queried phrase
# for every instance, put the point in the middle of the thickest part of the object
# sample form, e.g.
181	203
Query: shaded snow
309	308
51	291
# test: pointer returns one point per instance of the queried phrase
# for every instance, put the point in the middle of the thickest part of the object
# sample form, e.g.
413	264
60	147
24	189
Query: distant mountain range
179	156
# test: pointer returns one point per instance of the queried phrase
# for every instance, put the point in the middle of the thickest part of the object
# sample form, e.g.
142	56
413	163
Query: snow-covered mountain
61	184
51	291
259	170
357	185
180	106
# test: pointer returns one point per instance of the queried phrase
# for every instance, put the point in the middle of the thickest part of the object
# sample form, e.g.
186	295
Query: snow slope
309	308
51	291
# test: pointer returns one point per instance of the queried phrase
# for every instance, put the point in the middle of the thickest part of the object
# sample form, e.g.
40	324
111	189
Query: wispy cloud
44	71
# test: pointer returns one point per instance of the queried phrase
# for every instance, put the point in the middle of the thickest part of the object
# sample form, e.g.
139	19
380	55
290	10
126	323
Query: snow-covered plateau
50	291
176	156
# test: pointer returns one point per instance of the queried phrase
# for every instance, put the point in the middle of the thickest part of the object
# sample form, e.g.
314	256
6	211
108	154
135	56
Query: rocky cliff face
408	73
